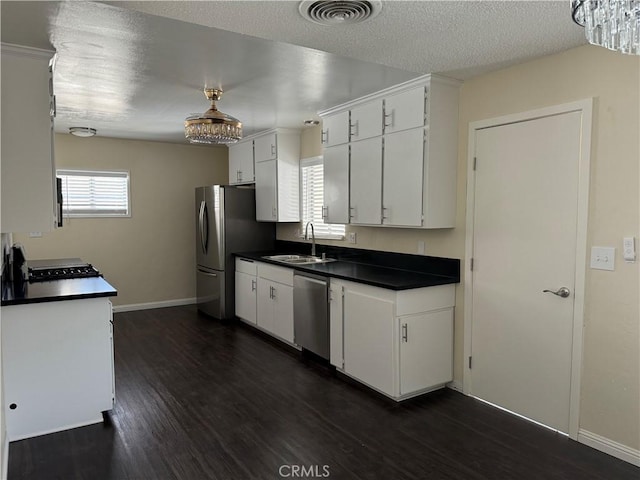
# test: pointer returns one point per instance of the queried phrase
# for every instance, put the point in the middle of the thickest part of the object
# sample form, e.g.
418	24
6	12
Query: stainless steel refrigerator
225	224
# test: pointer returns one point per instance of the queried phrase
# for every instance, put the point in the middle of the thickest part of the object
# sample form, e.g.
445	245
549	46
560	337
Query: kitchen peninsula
57	352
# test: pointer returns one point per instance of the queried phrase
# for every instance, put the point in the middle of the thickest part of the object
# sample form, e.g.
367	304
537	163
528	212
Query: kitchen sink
299	259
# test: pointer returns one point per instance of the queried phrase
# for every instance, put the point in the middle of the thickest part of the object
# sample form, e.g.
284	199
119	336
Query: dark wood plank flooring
200	399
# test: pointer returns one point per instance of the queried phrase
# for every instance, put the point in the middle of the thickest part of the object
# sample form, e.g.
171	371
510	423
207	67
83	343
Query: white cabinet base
57	360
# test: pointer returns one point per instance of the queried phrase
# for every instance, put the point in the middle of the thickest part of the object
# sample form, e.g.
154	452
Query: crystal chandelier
613	24
213	126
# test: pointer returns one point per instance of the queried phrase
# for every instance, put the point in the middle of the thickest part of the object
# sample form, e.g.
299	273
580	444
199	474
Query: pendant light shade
213	126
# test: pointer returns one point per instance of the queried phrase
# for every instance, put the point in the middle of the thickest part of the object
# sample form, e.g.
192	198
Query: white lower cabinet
275	301
57	361
397	342
246	290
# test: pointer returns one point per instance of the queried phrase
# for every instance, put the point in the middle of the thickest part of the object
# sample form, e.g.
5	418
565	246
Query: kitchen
611	315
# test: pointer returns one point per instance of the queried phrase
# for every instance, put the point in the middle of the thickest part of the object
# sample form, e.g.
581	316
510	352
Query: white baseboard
455	385
610	447
147	306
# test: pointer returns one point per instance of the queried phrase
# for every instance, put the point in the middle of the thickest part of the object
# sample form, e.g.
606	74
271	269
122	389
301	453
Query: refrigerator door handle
203	219
207	273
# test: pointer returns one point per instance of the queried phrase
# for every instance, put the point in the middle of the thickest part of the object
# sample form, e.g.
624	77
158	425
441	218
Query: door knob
563	292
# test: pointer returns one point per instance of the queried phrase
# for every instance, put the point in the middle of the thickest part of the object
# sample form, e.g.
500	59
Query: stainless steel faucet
313	238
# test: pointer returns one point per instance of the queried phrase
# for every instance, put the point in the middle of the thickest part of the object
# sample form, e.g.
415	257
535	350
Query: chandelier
613	24
213	126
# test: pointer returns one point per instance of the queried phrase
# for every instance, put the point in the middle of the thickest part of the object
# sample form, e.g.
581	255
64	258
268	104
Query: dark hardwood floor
199	399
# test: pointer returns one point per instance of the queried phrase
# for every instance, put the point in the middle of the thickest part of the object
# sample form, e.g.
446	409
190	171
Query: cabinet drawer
425	299
277	274
246	266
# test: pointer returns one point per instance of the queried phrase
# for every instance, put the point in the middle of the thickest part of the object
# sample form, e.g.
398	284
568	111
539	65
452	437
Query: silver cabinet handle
253	285
273	150
405	332
352	215
563	292
352	127
390	116
383	217
324	134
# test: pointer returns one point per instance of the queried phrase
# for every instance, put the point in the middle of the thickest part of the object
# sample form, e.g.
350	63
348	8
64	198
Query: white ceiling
136	69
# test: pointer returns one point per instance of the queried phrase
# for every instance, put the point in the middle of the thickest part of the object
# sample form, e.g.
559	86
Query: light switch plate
603	258
629	249
420	247
352	237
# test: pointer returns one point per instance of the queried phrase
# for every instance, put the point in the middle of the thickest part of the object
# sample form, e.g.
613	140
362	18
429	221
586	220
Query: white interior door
524	242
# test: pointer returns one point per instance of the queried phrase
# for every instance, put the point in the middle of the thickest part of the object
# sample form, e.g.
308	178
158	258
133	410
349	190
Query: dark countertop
367	273
22	293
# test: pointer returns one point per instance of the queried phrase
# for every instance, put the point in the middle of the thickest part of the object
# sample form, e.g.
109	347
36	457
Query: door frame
586	108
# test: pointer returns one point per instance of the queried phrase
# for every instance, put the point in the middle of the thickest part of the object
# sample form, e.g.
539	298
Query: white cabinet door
275	308
264	316
57	365
368	338
27	167
335	323
246	297
241	162
403	178
266	191
335	129
366	121
366	182
266	147
404	110
336	184
282	311
426	350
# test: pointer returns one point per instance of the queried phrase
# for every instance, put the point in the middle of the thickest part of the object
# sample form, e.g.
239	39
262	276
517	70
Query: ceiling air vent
336	12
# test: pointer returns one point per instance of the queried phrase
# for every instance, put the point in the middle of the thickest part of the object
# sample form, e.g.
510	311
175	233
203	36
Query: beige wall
610	395
149	257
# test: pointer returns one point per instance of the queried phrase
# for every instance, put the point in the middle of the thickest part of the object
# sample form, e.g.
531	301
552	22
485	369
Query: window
95	193
311	179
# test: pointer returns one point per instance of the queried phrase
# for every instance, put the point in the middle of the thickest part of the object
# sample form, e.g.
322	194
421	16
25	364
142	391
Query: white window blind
95	193
311	172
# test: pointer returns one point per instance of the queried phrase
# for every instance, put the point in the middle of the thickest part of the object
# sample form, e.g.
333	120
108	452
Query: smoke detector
338	12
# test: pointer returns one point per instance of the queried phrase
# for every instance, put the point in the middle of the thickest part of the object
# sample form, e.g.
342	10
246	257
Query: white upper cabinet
365	190
407	176
366	121
241	166
404	110
266	147
335	129
28	168
402	180
277	179
336	184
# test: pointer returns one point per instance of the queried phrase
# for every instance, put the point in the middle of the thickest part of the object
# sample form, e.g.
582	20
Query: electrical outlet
420	247
352	237
603	258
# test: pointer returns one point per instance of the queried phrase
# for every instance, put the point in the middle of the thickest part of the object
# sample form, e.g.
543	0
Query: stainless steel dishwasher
311	313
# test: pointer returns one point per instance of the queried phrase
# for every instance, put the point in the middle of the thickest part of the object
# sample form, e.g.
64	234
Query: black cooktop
62	272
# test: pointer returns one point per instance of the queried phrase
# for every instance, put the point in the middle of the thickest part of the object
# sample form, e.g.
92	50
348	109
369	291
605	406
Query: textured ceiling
136	69
459	38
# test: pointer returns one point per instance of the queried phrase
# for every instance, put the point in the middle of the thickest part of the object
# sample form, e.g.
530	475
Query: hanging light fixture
213	126
613	24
